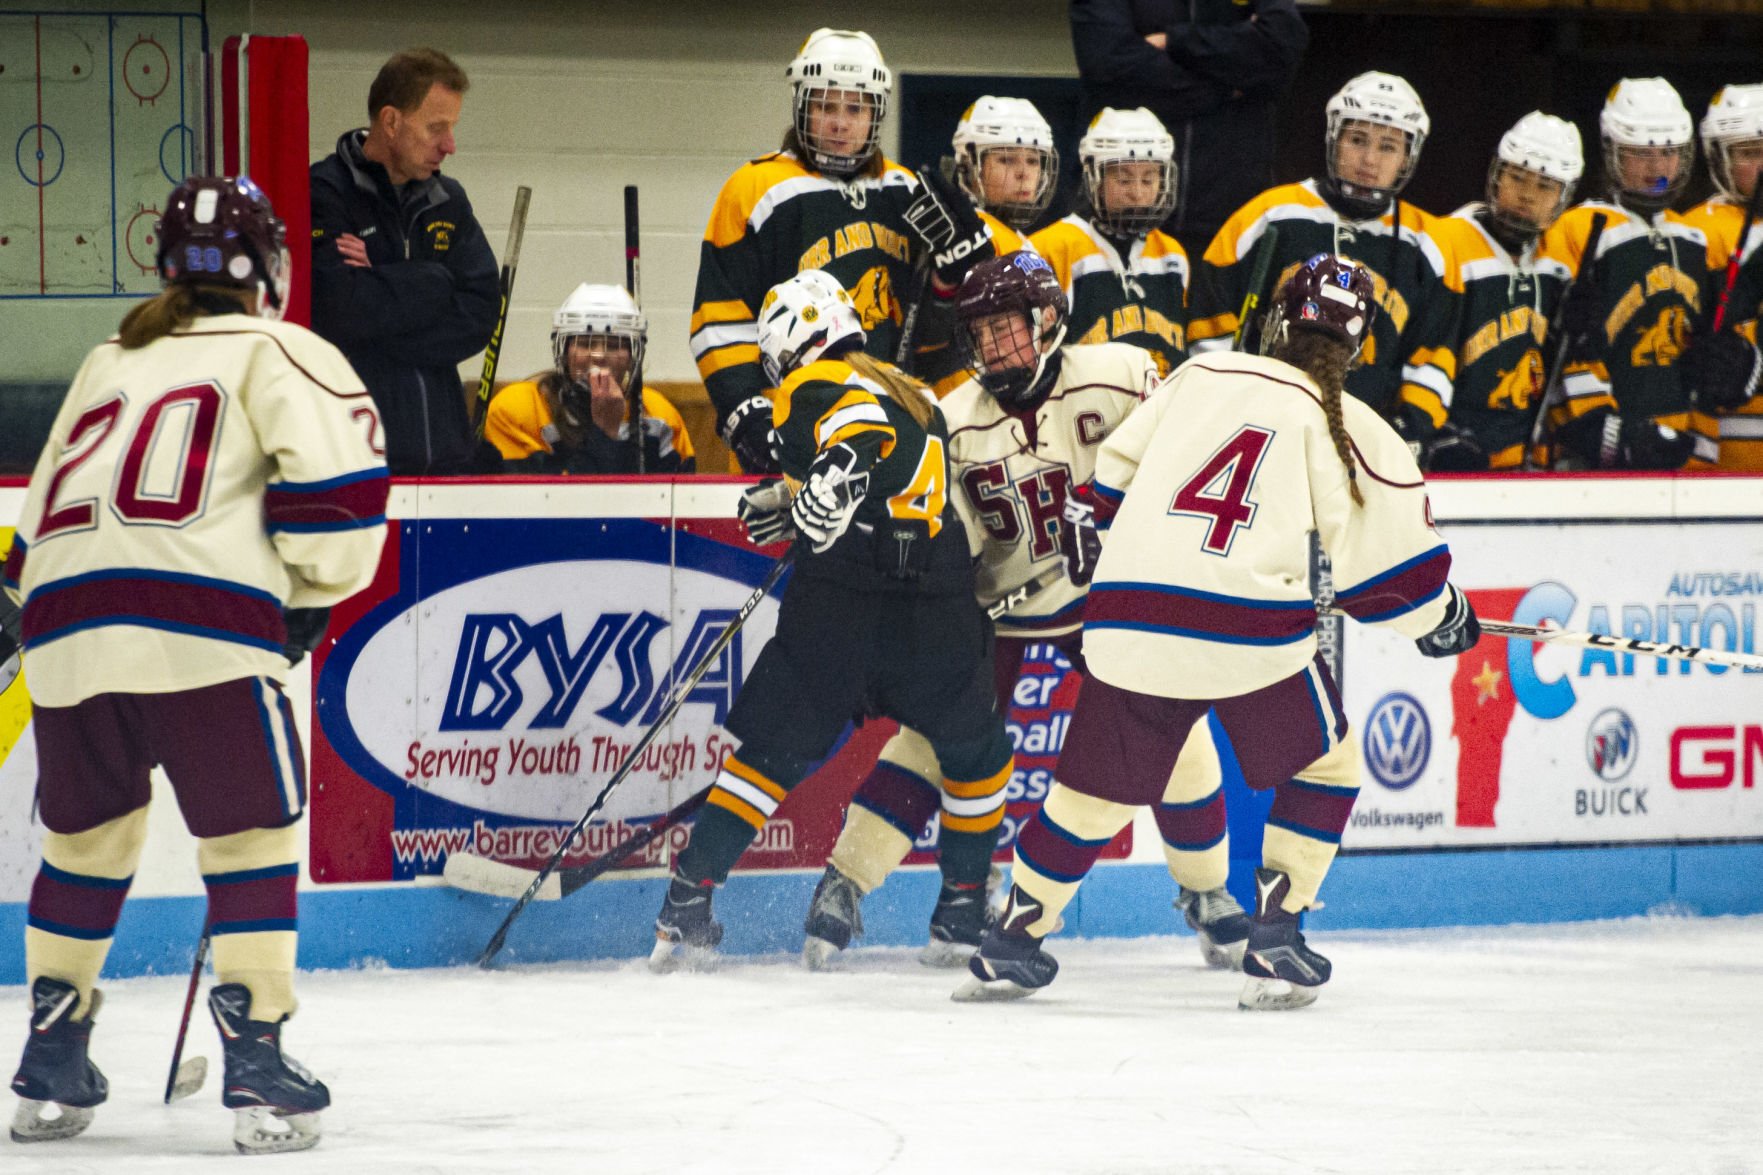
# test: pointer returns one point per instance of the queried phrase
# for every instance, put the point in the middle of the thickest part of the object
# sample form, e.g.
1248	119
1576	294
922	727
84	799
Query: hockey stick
1017	596
1621	644
1331	625
1552	379
1257	275
1734	262
486	384
476	874
633	281
186	1077
678	699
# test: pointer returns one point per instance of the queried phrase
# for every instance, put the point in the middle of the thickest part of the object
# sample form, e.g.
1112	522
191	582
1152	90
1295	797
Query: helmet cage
843	61
603	311
803	318
1513	223
1025	285
1129	222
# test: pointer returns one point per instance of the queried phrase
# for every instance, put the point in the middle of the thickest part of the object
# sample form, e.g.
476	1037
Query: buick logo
1398	741
1611	745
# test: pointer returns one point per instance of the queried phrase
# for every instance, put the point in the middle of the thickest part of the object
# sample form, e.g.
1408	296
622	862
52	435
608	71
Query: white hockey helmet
801	319
1646	113
599	310
1384	100
849	62
1127	136
1735	116
1543	145
1012	124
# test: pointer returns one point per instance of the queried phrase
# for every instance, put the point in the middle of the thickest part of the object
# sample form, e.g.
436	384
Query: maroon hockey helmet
1327	294
1021	283
221	231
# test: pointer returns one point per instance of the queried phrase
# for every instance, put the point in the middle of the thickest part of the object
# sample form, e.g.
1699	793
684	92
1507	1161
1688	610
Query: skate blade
1274	995
819	954
476	874
975	990
30	1123
191	1074
1222	956
937	953
263	1131
667	957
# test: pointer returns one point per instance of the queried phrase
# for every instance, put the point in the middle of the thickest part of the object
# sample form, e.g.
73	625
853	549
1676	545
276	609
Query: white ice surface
1632	1046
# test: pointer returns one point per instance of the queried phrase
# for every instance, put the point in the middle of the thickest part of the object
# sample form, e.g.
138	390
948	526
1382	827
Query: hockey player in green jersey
879	618
1508	297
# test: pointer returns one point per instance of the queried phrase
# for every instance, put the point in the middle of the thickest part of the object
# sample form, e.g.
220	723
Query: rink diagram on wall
101	115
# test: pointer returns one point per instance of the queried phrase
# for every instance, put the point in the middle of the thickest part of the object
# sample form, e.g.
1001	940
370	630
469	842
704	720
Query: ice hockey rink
1623	1046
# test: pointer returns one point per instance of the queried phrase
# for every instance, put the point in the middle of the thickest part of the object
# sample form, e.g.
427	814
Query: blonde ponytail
905	391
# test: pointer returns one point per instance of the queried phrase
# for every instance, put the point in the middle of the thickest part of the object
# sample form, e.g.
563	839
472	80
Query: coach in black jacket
403	281
1211	70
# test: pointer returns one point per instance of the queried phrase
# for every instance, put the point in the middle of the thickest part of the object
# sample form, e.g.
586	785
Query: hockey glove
829	497
1580	319
1416	429
1720	371
9	658
747	432
1080	542
305	630
1454	449
1607	440
1456	633
764	510
948	226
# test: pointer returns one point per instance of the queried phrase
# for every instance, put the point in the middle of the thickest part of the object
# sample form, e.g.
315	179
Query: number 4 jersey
189	491
1202	589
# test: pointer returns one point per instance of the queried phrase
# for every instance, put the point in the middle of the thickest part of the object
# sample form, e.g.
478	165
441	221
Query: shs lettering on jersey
1012	471
1721	218
1656	282
1408	358
774	218
1141	298
905	535
1508	303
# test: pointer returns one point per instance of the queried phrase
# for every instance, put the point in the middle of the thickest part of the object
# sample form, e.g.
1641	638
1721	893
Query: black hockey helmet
1327	294
1021	283
221	231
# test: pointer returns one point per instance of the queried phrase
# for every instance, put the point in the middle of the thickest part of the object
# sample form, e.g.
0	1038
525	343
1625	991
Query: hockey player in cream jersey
1026	428
207	470
1200	603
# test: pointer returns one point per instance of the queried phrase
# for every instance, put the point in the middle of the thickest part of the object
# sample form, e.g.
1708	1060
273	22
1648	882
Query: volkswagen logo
1611	745
1398	741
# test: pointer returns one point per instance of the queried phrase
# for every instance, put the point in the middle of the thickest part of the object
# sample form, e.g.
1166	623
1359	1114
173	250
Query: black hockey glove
747	433
1454	449
830	495
1415	428
1456	633
1720	371
948	225
10	617
1080	542
764	510
1580	318
305	630
1608	440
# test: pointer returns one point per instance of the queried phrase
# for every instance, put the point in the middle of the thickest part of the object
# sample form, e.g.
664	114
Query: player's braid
1326	362
905	391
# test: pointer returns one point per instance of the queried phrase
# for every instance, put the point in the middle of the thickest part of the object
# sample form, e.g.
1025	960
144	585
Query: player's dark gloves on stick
1720	371
1080	542
1608	440
948	225
305	629
1456	633
1453	449
747	433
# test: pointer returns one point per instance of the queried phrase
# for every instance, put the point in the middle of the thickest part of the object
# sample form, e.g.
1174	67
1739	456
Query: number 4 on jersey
1219	489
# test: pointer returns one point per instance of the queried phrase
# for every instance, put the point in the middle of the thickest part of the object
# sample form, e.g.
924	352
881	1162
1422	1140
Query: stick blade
190	1076
475	874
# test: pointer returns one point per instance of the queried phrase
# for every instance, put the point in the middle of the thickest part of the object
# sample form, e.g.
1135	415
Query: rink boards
522	634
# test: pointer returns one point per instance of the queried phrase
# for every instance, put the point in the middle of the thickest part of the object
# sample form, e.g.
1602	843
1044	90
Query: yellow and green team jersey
1507	305
1741	432
1408	358
774	218
1656	282
829	402
1139	298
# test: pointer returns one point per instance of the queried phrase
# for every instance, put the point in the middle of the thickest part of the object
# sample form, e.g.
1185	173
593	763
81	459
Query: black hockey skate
1220	923
57	1084
1280	971
957	925
684	930
1010	963
275	1101
835	917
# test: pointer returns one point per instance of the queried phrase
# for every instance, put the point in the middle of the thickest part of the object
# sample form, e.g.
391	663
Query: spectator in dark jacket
404	282
1211	71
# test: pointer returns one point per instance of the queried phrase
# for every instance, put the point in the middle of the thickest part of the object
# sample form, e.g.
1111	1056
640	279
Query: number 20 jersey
1012	471
1202	588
